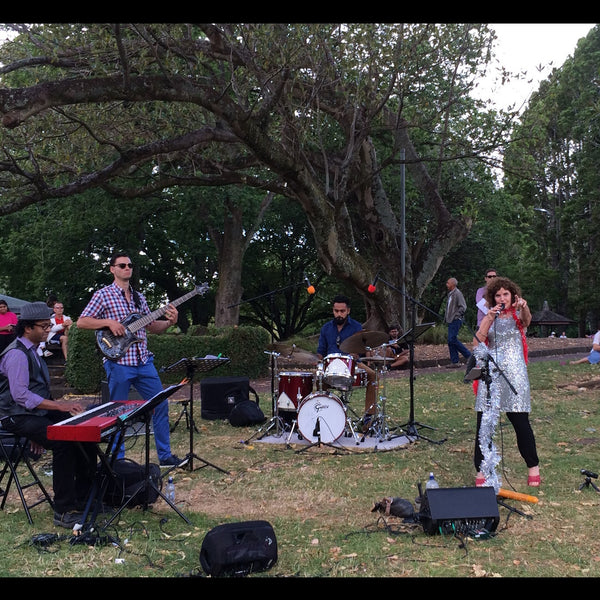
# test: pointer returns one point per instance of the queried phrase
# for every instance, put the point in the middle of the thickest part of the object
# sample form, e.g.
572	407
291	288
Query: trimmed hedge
244	346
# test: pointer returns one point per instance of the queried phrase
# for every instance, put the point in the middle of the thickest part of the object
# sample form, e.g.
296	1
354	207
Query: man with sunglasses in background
108	308
482	308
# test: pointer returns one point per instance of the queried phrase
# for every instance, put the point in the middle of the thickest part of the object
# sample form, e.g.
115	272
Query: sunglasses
491	276
124	265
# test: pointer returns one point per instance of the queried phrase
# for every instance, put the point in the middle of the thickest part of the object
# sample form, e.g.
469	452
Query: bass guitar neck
114	347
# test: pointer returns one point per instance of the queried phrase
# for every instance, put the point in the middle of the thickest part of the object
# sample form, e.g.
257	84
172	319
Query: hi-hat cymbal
359	342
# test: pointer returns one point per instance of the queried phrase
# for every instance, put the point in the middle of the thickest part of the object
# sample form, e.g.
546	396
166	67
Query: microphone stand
275	420
318	443
411	427
486	377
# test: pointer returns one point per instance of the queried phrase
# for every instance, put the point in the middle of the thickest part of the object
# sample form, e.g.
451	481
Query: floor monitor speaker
465	510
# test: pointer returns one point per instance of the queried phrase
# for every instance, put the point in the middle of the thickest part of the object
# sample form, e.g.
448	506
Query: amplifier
218	395
466	511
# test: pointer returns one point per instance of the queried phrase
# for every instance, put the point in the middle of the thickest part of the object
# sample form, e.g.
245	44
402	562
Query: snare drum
339	371
321	417
293	386
360	378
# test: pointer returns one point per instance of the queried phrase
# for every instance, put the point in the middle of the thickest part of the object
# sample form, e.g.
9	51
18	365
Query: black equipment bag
218	395
128	479
238	549
246	412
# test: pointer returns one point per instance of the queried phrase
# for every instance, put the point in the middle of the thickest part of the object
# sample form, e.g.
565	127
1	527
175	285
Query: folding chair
14	451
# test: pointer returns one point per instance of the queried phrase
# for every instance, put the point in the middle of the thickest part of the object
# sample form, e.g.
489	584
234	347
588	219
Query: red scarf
519	323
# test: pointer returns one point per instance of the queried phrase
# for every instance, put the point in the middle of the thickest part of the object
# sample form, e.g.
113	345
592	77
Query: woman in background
594	356
8	323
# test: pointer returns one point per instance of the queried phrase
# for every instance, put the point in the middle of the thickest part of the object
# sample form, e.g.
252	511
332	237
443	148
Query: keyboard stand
105	472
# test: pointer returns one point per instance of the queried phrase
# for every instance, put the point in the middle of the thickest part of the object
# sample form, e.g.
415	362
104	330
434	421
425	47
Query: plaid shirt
110	303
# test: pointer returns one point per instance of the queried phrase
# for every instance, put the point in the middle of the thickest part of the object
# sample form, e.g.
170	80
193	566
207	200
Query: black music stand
105	472
143	413
411	427
191	365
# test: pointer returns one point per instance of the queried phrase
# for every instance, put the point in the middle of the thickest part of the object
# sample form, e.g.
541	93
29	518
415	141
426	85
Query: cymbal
358	343
366	359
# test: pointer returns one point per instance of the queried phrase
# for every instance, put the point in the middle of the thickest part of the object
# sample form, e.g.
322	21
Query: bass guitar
114	347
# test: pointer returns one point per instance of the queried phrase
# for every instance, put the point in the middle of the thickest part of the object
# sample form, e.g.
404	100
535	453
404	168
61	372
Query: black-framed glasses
46	326
490	276
124	265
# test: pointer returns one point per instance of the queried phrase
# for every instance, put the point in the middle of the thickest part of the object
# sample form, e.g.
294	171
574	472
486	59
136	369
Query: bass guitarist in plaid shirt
108	309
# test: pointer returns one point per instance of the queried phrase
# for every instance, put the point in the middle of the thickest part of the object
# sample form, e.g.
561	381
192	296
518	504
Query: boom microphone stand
411	427
275	420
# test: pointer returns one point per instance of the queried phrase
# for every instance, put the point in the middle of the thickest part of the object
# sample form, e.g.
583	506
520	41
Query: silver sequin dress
506	348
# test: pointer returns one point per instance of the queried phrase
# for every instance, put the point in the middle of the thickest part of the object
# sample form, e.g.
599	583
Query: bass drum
321	417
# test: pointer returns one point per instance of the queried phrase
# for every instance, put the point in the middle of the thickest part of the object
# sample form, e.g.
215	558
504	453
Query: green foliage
244	346
84	369
552	169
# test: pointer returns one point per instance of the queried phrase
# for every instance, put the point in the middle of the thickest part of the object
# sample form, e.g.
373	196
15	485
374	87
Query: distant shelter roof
14	304
547	317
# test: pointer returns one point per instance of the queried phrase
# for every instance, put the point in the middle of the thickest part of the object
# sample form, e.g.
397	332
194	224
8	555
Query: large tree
552	167
314	113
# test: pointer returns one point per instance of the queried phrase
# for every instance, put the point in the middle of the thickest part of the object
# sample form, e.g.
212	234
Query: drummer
332	334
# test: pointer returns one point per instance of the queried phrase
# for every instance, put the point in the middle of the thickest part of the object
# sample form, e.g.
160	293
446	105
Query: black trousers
73	463
525	439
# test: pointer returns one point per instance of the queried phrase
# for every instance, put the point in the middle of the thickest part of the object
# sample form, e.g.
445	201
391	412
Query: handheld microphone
501	309
371	289
309	288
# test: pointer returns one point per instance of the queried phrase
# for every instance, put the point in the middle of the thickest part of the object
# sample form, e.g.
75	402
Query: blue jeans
455	346
145	379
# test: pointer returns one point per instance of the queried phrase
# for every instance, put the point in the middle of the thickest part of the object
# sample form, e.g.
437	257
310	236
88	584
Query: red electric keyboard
94	424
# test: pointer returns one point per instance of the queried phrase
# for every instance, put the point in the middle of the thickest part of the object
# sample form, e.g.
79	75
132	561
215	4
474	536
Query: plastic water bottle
431	483
170	490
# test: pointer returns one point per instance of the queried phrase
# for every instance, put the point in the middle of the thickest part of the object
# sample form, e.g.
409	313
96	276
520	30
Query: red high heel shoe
534	480
479	481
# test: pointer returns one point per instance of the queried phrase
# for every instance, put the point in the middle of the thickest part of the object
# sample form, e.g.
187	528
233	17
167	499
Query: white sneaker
47	353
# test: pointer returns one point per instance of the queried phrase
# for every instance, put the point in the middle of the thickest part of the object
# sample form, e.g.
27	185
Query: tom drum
339	371
360	378
293	386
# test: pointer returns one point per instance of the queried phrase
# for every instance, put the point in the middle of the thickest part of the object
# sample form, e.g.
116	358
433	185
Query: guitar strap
136	299
135	296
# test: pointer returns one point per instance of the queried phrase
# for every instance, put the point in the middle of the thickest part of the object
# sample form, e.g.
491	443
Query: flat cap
34	311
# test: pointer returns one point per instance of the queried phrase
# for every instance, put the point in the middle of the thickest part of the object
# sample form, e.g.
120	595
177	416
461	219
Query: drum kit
315	406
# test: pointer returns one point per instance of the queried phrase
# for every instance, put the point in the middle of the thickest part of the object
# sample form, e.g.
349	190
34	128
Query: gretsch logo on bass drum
318	406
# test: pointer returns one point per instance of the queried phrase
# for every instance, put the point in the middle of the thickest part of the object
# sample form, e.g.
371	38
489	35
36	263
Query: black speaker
238	549
459	510
218	395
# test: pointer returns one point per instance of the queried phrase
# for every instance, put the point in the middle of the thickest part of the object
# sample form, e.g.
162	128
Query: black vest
39	383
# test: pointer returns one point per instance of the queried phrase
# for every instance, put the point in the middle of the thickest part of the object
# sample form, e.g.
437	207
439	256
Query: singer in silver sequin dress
502	348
